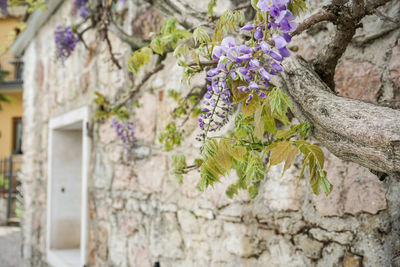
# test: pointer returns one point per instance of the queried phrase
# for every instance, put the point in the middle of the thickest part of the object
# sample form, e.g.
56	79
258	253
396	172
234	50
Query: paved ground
10	246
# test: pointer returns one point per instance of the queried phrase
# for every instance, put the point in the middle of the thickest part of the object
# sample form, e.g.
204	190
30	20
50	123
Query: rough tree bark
353	130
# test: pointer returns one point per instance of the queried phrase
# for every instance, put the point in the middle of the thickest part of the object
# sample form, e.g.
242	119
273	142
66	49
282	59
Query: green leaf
211	5
253	191
285	134
290	158
238	153
224	157
200	36
326	185
279	103
138	59
157	45
280	152
315	159
251	108
231	190
269	121
179	165
259	124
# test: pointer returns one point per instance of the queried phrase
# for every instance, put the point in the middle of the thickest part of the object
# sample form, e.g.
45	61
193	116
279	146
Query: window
17	135
69	147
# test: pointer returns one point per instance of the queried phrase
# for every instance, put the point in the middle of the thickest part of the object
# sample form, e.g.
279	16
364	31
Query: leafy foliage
105	110
138	59
167	39
171	137
263	135
211	5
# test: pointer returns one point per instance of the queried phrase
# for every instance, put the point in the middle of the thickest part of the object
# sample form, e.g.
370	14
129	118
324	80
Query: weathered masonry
113	211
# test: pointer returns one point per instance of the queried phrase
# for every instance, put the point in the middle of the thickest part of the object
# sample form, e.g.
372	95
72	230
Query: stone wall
140	215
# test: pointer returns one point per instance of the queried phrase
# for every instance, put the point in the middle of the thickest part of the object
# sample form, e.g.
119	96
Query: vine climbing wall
138	212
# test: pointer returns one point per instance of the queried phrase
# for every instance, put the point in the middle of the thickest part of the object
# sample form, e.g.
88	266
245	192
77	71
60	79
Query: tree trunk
353	130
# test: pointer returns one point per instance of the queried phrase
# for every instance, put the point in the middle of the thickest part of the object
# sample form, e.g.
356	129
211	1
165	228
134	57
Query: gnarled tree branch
353	130
133	41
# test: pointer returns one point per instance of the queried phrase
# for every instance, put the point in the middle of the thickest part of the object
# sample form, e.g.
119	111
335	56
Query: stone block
205	213
145	118
165	238
358	80
118	249
147	22
241	246
281	253
282	193
365	193
188	221
310	247
152	173
394	65
332	255
343	238
351	260
103	173
233	210
124	178
355	190
107	133
138	256
102	242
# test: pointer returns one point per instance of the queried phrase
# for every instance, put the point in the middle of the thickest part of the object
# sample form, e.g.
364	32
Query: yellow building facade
11	87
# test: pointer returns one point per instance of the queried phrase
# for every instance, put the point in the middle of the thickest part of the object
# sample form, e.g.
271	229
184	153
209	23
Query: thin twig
386	18
204	63
80	36
323	15
242	6
137	87
200	97
114	60
133	41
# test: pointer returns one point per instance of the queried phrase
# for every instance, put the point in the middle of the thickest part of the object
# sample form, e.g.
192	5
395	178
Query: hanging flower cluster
253	63
65	40
4	7
125	132
83	8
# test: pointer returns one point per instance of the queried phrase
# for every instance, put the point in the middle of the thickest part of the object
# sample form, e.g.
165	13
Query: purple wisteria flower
4	7
83	8
65	41
125	132
253	63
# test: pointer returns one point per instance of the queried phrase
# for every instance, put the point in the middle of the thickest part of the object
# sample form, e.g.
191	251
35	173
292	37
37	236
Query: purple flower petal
218	51
254	63
284	52
265	75
265	47
264	5
253	85
274	12
275	55
248	27
280	42
277	67
244	49
243	70
212	72
228	41
258	34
